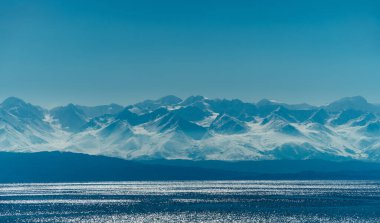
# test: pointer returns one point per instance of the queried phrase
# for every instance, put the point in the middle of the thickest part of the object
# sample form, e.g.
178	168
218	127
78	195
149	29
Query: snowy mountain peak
357	100
19	108
355	103
192	99
13	102
197	128
169	100
266	102
225	124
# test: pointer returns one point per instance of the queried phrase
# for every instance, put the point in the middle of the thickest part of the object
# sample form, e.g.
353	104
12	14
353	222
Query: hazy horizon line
2	99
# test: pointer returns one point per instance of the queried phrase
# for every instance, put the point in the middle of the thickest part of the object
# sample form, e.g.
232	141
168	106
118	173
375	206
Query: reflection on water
192	201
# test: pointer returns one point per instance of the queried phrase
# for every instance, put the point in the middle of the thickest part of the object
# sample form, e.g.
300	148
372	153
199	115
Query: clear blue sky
94	52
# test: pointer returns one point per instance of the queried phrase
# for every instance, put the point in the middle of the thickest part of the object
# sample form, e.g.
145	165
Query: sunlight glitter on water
192	201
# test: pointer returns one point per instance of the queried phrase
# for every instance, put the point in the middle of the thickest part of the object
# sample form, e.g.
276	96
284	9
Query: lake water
192	201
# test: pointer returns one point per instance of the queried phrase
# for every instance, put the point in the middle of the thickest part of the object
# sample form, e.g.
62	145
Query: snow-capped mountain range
197	128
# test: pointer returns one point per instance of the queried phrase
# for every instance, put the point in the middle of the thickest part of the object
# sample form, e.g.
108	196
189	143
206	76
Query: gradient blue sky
96	52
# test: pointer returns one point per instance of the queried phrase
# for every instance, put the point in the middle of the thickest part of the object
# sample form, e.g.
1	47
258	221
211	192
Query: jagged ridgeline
197	128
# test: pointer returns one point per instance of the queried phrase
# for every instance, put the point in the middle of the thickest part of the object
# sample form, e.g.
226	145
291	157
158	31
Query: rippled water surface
192	201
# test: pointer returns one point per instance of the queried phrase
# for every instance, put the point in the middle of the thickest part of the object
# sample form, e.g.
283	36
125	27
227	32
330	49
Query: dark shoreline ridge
75	167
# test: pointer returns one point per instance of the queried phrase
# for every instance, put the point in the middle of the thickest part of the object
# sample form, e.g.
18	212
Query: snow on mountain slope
197	128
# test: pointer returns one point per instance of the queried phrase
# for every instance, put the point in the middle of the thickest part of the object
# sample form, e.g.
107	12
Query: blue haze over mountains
197	128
